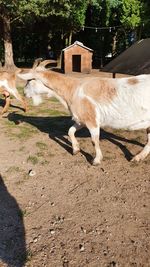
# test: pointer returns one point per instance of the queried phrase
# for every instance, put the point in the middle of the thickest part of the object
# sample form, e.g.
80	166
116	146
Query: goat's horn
46	62
36	62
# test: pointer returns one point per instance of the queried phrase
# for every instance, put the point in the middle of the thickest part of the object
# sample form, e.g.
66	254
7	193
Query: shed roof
79	44
135	60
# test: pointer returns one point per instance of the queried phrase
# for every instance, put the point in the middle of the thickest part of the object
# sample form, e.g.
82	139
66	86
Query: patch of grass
20	89
22	148
22	213
9	124
39	154
20	131
25	132
21	174
41	145
108	155
53	112
33	159
54	99
45	162
13	169
29	255
107	158
24	177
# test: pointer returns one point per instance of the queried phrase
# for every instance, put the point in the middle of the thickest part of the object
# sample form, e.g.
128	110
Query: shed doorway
76	63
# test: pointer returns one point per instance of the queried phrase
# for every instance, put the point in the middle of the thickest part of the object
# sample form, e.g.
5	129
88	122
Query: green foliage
112	8
39	8
59	19
44	8
131	13
77	13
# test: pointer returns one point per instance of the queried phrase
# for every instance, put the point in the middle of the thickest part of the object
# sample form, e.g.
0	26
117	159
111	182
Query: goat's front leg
7	102
146	150
21	99
95	132
71	133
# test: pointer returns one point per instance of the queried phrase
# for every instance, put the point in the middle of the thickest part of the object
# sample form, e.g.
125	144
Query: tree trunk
125	40
8	48
114	44
70	38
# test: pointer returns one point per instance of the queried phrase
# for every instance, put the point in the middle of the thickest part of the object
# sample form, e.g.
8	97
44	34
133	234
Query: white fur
35	89
130	109
4	83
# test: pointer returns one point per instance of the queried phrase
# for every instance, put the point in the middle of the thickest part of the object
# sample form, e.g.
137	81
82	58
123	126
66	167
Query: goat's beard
37	99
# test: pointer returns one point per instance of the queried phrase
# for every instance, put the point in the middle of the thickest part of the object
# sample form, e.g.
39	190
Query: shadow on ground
12	232
57	128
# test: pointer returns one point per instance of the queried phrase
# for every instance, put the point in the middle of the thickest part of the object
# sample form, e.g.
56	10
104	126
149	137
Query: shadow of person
57	128
12	232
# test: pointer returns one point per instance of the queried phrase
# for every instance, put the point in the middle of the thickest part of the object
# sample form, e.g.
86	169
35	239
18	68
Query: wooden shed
77	58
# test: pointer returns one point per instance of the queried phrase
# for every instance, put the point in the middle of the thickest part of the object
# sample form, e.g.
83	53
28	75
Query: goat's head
34	87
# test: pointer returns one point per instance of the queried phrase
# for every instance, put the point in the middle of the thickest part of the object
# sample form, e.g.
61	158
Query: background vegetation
41	28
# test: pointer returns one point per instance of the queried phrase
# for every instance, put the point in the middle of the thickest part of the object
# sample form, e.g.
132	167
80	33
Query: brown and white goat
8	87
121	103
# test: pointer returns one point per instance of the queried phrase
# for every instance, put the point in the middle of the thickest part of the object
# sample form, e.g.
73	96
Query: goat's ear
26	75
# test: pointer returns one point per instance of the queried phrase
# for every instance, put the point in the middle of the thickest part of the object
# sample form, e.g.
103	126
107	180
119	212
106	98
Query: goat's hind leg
71	133
95	132
146	150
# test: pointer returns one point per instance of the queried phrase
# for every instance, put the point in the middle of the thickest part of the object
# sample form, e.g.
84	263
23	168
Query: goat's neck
63	86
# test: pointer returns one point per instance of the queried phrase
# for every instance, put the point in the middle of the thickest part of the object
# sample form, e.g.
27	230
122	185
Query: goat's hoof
76	151
95	163
2	113
135	159
26	109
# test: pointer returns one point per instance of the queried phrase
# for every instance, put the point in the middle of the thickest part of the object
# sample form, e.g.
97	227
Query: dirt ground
56	209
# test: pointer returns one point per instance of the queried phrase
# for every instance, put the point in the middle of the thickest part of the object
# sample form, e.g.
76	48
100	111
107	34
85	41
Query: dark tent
134	61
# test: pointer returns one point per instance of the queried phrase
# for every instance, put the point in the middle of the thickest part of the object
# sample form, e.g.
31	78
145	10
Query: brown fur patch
132	81
101	90
85	112
62	85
